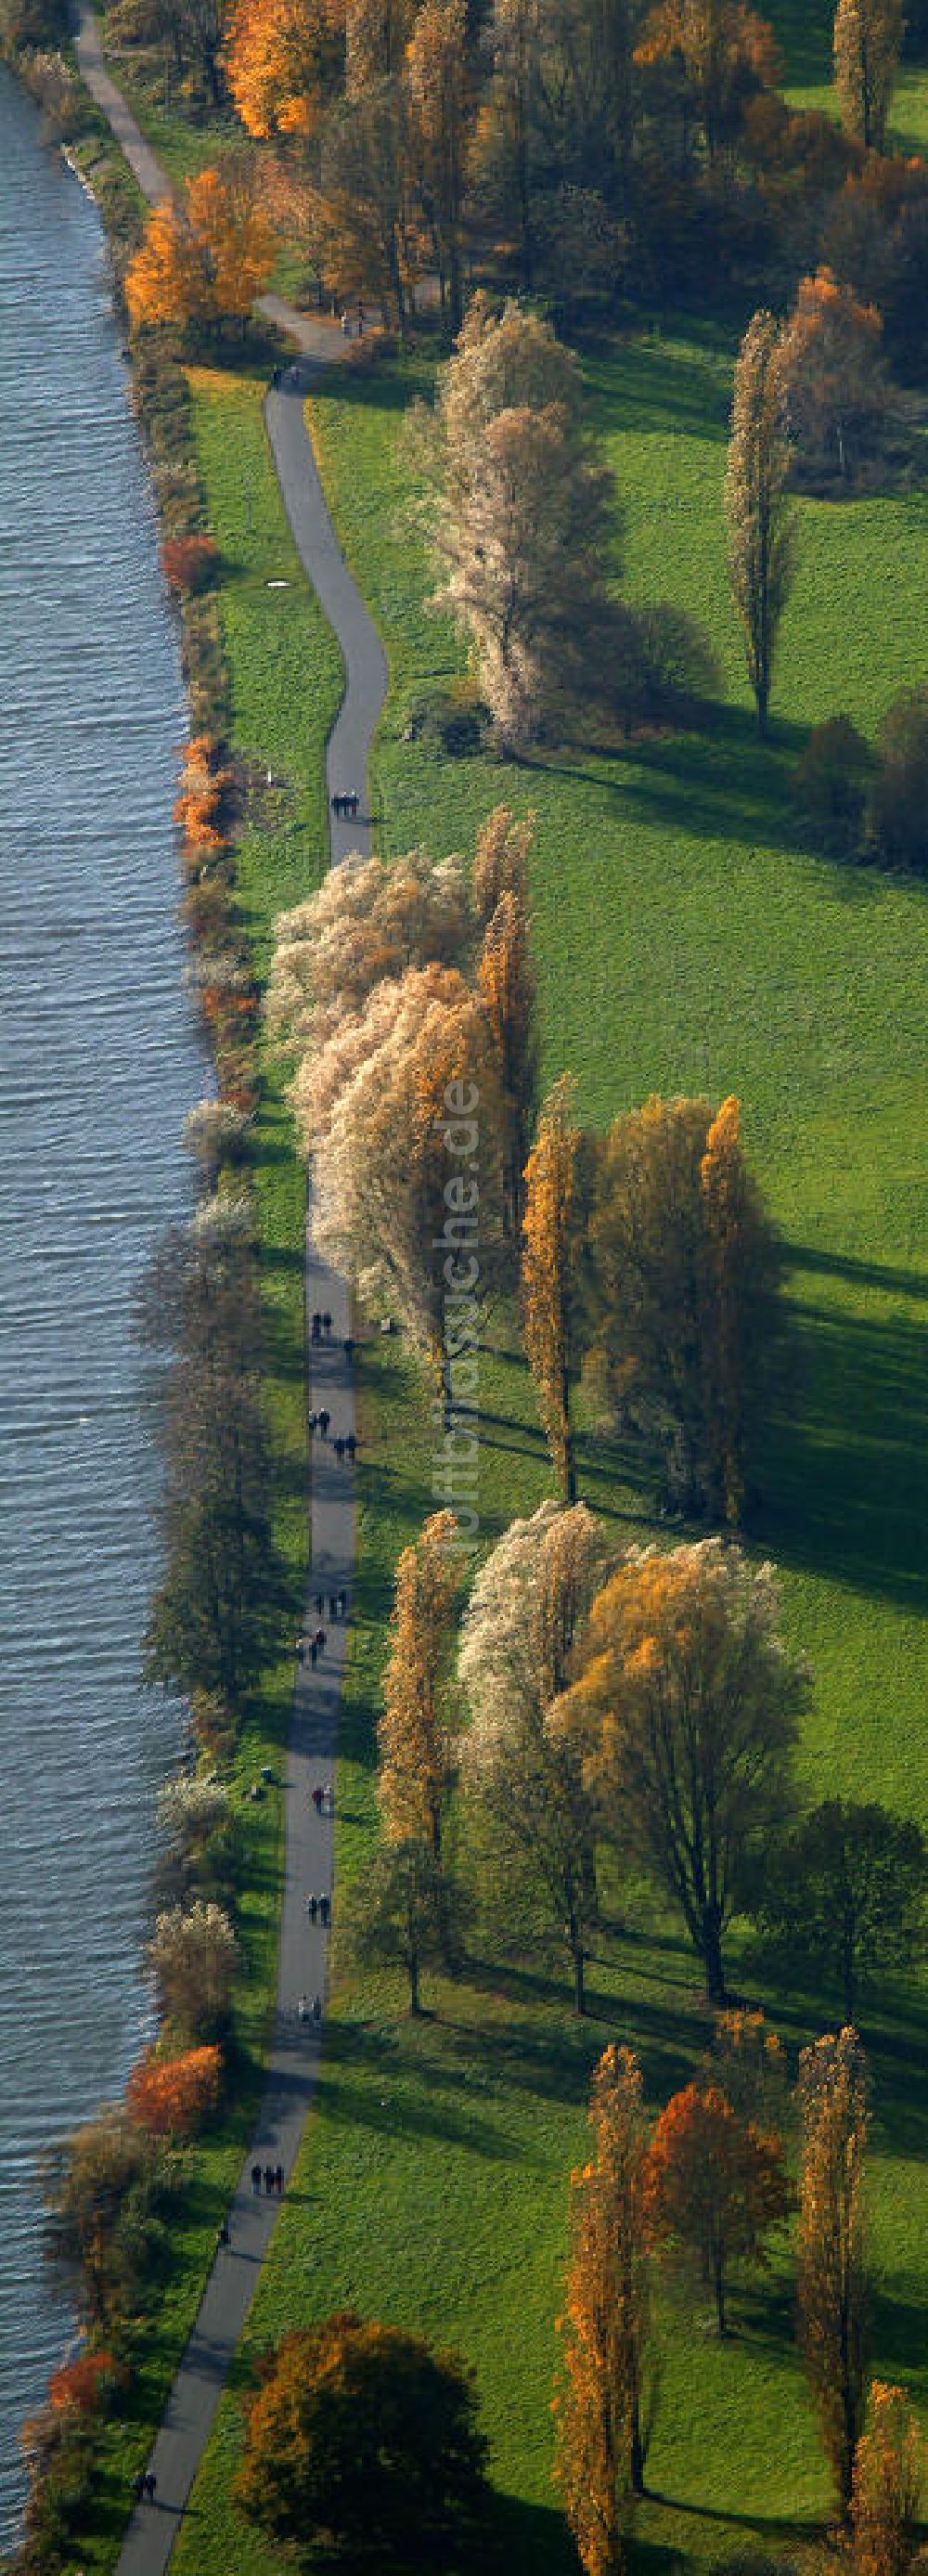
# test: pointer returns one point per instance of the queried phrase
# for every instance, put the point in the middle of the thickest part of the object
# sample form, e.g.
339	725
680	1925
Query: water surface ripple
99	1058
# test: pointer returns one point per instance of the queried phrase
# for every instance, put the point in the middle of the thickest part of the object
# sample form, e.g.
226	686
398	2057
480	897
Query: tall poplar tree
867	41
549	1273
758	515
832	2285
606	2326
413	1734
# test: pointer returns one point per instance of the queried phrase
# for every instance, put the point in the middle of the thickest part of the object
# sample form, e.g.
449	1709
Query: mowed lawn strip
685	941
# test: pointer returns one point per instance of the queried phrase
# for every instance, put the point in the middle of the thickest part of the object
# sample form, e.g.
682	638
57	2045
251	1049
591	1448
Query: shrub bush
189	563
830	785
898	808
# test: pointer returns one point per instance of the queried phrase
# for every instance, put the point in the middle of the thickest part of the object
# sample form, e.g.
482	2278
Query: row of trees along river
99	1059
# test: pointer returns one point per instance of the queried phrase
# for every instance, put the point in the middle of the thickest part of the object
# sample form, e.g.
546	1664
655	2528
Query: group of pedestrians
319	1905
313	1646
143	2486
272	2177
324	1799
338	1605
344	1444
346	803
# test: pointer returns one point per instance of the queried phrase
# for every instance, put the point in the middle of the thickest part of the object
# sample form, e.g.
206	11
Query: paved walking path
302	1967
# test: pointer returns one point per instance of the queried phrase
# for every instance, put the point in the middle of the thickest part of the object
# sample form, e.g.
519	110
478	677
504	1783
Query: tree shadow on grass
657	388
528	2535
846	1481
719	784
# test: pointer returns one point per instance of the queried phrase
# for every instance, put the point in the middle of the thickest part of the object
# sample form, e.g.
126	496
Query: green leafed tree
402	1911
844	1897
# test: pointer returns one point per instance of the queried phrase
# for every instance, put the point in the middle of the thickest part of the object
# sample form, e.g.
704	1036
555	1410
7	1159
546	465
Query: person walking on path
291	2075
256	2177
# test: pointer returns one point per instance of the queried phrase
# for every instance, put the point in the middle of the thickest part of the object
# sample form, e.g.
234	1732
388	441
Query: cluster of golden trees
205	256
643	1709
643	1258
703	2189
586	148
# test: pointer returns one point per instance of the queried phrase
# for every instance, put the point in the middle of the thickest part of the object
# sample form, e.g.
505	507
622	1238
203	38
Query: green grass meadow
686	940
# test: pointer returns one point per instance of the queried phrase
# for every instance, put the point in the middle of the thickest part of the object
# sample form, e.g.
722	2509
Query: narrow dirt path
302	1966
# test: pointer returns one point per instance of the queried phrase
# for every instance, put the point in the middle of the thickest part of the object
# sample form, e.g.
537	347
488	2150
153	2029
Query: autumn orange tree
686	1705
283	59
364	2440
832	2281
414	1731
867	42
80	2385
747	2061
726	53
550	1300
886	2495
205	257
501	862
171	2096
832	374
507	987
716	2184
600	2408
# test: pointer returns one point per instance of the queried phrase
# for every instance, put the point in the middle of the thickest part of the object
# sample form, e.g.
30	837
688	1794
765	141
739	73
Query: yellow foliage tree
507	988
548	1272
605	2329
886	2494
686	1705
204	258
832	2285
413	1733
726	51
283	59
867	41
501	861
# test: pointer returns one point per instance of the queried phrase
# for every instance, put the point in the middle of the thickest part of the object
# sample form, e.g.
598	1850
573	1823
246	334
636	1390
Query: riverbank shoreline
108	2449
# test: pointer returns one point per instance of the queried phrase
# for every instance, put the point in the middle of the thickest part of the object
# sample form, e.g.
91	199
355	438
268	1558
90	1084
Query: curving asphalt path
308	1869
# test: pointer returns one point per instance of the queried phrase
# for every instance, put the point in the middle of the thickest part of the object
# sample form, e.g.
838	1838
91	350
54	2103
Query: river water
99	1059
